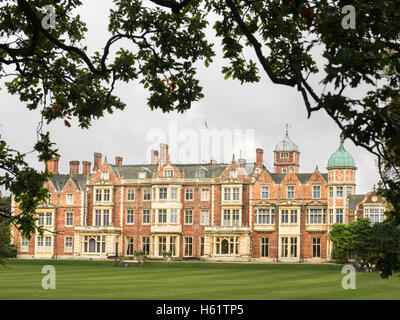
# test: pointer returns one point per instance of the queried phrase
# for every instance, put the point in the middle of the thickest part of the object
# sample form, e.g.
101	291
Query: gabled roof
303	177
59	180
354	200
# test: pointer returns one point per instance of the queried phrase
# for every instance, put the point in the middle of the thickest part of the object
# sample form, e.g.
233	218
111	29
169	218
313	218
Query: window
41	219
68	244
265	216
188	246
293	247
106	195
204	218
69	219
162	245
284	155
189	194
231	217
162	215
146	245
172	245
130	195
174	216
102	217
289	249
264	244
70	199
163	194
146	216
227	217
202	246
205	195
174	193
49	219
104	175
47	243
284	170
235	217
130	216
284	216
233	174
168	173
316	248
339	192
349	190
316	216
129	246
330	192
290	192
142	175
374	214
24	244
227	245
316	192
188	217
339	215
146	194
95	244
331	216
106	217
235	194
264	192
200	174
98	195
40	243
227	194
293	216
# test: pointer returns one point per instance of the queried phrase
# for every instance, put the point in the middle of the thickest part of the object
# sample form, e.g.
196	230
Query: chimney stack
52	165
118	161
86	167
97	161
164	153
154	157
259	161
74	167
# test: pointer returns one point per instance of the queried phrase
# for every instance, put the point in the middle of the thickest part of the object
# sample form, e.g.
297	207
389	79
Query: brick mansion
237	211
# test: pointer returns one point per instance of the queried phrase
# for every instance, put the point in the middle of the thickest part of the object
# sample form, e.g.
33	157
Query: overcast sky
264	108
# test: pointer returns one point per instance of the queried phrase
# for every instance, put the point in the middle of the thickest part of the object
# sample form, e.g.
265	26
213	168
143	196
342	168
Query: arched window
92	245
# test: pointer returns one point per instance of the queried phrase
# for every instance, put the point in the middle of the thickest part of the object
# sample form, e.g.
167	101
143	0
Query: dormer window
104	175
168	173
142	175
200	174
233	174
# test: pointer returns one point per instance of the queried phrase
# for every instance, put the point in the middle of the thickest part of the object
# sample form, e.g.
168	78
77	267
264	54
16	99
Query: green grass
21	279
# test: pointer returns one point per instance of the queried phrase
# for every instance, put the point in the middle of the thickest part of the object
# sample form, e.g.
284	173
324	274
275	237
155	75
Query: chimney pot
86	167
259	161
118	161
52	165
154	157
164	153
97	161
74	167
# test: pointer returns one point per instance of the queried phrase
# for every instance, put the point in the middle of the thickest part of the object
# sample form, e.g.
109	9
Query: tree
353	236
385	241
5	236
51	69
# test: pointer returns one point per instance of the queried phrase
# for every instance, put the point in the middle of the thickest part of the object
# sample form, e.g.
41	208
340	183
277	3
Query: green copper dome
341	158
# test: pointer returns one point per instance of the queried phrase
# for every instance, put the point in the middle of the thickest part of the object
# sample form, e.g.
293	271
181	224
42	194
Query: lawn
21	279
